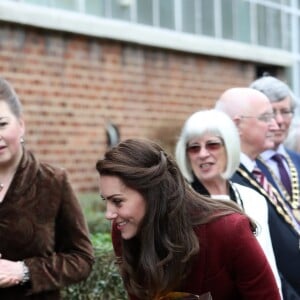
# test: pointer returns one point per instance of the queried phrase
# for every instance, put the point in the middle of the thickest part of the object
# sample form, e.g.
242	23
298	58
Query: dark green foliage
104	283
93	208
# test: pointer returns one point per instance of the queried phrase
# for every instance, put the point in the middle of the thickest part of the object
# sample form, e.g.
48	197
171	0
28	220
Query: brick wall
72	85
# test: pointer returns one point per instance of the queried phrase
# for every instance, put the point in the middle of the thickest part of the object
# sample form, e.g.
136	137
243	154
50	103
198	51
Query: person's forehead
287	101
205	136
260	104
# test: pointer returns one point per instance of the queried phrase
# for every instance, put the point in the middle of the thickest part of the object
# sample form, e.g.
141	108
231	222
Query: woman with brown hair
169	239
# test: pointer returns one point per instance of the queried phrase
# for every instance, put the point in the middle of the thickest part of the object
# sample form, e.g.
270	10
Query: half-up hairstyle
156	260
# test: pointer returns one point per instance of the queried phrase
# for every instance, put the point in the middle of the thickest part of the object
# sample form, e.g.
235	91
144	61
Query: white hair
214	122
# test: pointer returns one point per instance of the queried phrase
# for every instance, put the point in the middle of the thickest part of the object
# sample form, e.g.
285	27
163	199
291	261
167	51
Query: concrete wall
72	85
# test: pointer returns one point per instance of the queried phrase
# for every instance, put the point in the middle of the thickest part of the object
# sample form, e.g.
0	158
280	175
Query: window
188	16
120	9
286	31
242	21
262	25
298	24
145	11
227	19
274	28
94	7
166	14
64	4
207	17
39	2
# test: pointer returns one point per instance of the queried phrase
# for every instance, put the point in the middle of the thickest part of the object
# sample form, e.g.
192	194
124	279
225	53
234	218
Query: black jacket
285	240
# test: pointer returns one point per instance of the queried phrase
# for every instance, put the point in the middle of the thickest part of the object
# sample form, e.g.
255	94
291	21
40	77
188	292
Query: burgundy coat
231	264
41	222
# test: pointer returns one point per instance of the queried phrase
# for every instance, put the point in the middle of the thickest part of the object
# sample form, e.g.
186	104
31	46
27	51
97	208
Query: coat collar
25	174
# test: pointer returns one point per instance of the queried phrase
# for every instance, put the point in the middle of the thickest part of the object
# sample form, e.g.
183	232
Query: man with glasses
279	164
253	115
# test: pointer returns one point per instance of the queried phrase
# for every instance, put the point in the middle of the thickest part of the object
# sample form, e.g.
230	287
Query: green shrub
93	208
104	283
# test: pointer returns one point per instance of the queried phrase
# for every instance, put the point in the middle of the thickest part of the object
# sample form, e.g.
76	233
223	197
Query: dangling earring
22	140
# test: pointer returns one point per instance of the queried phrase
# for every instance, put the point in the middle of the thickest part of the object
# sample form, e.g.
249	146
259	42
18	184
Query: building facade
142	66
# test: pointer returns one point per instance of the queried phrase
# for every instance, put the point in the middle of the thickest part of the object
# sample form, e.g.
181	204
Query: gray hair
275	89
214	122
293	139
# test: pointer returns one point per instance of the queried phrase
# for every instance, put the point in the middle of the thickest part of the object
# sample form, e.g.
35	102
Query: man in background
279	164
253	115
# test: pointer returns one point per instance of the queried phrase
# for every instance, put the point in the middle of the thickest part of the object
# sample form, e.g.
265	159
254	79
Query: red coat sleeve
235	263
254	276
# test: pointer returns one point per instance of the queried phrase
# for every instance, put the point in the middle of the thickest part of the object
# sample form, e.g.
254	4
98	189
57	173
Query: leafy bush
93	208
104	283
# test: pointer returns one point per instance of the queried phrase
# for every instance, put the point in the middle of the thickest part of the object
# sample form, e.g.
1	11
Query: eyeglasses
267	117
209	146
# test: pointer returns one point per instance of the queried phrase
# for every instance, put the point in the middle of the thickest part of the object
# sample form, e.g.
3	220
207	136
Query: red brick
72	85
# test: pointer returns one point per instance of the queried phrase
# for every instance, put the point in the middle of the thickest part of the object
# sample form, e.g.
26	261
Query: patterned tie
275	198
284	176
265	184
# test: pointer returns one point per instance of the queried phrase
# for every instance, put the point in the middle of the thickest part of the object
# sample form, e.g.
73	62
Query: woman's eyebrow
110	197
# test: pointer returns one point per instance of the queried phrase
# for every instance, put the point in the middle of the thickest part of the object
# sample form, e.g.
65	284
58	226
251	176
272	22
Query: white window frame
77	22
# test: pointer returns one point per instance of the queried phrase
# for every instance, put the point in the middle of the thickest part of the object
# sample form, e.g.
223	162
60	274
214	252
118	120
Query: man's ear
237	121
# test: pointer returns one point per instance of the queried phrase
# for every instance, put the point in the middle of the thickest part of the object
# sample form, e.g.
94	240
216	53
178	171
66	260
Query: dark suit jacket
231	264
285	239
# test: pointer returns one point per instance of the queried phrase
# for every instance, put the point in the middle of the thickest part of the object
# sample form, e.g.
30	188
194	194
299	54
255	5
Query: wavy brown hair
156	260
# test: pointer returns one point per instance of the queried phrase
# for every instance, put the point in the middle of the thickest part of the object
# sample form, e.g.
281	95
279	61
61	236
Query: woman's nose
203	151
110	213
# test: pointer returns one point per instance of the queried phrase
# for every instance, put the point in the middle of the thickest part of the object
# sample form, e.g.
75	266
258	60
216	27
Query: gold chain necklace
293	200
280	206
294	182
